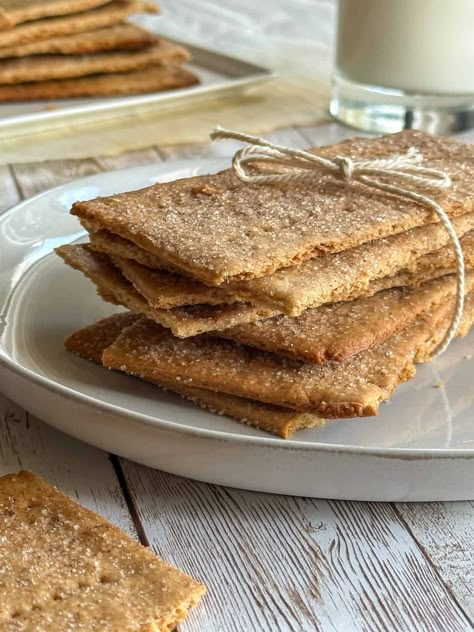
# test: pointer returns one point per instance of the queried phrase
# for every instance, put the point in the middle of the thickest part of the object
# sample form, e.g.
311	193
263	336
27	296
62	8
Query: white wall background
292	36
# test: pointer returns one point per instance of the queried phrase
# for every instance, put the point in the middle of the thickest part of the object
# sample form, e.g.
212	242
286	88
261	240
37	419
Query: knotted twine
308	167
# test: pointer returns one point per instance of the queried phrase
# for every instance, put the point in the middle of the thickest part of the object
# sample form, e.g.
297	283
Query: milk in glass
417	55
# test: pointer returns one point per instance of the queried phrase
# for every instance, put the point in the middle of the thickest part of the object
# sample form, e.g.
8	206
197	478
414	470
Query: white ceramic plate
421	447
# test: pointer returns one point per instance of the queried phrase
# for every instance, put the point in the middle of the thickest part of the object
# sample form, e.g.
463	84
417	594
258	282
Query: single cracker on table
336	331
343	276
37	69
250	230
114	288
118	37
110	14
352	388
90	343
152	79
14	12
63	567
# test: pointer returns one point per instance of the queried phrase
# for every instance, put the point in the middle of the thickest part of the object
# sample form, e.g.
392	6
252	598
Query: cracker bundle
280	305
52	49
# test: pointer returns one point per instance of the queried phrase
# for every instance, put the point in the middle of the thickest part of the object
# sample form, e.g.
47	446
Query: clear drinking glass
405	64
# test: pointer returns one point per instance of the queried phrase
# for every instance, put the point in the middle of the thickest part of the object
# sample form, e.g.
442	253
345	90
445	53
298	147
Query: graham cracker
183	321
14	12
111	244
165	290
33	69
193	320
351	388
424	352
118	37
108	15
152	79
330	278
443	258
345	275
90	343
216	228
431	266
64	567
336	331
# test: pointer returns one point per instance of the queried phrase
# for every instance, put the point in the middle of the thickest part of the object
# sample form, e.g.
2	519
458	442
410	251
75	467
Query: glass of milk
405	64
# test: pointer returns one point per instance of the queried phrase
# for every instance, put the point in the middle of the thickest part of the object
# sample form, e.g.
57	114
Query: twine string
400	169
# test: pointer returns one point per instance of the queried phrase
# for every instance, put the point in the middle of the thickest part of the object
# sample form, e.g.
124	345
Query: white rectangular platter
220	76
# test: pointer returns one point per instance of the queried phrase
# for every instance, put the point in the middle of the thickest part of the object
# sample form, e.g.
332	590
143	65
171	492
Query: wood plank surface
288	137
281	563
33	178
79	470
9	194
445	533
130	159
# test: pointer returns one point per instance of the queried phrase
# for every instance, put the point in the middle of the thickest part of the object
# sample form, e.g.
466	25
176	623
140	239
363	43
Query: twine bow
401	168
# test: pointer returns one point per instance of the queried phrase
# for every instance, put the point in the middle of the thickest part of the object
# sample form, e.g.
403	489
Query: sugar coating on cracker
91	341
151	79
36	68
329	278
336	331
351	388
185	321
347	274
13	12
250	230
398	260
63	567
110	14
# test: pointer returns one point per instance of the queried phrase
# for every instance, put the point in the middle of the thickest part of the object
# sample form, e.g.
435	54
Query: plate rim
9	364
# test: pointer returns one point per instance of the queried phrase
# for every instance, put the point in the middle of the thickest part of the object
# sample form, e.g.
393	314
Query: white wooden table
271	563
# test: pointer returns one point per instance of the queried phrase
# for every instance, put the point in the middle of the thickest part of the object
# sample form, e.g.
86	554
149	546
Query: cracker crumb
206	189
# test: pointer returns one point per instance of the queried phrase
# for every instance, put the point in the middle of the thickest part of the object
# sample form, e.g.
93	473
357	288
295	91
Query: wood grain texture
130	159
9	194
35	178
81	471
445	532
288	137
327	134
281	563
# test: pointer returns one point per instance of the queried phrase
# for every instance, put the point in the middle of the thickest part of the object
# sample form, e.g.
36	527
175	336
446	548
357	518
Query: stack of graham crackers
278	305
52	49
